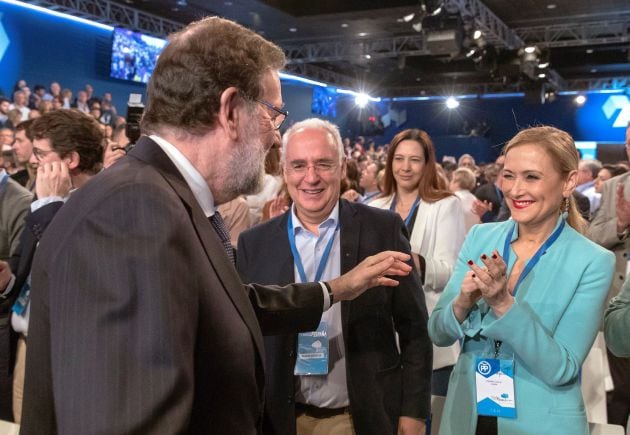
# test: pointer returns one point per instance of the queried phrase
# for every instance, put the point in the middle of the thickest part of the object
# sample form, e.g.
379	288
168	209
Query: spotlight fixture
477	34
361	100
452	103
580	100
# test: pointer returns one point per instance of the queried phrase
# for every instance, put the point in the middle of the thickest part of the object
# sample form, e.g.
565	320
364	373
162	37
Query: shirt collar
331	220
193	178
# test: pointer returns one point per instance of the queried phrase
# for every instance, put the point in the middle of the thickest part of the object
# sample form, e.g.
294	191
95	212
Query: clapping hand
491	281
481	207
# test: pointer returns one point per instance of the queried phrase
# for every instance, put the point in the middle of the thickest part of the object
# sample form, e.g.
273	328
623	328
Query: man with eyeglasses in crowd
66	153
140	323
360	382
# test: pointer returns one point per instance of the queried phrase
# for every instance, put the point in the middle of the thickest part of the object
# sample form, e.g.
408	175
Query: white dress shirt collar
333	218
193	178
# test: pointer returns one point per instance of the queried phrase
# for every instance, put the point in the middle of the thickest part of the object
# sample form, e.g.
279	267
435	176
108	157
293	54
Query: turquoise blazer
549	331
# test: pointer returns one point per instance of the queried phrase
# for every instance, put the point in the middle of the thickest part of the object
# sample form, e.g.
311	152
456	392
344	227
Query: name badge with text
495	387
312	352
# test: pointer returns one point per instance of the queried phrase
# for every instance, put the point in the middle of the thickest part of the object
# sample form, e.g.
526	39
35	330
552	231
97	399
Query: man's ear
230	112
72	160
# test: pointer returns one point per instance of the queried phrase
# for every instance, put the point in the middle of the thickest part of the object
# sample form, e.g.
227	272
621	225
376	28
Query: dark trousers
486	425
618	406
439	380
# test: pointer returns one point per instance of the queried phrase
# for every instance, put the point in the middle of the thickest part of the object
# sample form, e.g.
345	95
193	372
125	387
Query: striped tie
219	226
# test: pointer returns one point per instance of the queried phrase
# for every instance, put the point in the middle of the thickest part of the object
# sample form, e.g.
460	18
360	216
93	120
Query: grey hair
592	165
314	123
463	156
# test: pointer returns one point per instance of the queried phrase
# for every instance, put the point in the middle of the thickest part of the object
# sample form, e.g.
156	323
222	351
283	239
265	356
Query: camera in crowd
135	109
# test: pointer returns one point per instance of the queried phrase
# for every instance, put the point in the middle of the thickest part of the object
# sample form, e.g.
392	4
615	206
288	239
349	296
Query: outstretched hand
373	271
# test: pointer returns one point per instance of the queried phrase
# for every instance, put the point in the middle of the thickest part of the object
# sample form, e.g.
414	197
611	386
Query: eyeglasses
40	154
281	115
301	168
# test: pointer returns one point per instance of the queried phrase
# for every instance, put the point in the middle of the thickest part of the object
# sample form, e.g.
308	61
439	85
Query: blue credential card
495	387
312	352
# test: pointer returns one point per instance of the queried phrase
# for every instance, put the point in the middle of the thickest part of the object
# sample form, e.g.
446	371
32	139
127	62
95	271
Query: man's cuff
8	288
39	203
328	298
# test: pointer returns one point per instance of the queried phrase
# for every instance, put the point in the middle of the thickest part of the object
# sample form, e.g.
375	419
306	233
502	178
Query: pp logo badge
615	103
484	367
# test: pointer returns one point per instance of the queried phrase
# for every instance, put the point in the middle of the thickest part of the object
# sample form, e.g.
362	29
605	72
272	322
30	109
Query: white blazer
438	234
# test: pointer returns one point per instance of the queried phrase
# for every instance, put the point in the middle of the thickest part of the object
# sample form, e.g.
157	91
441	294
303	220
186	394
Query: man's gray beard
246	165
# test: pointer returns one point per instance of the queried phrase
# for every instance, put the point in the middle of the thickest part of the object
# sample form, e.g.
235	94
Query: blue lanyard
296	254
411	211
532	262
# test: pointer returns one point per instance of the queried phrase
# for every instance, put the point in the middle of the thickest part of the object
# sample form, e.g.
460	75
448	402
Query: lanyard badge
313	346
494	379
312	352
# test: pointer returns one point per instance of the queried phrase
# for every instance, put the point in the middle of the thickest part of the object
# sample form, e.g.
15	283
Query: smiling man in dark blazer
368	386
140	324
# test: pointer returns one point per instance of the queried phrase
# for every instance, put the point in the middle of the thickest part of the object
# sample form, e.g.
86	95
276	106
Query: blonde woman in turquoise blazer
548	320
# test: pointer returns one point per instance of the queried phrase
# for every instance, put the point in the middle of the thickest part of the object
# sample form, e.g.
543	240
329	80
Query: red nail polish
470	262
494	256
484	256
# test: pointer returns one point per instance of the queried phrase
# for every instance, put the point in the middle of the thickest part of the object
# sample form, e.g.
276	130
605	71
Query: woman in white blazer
435	220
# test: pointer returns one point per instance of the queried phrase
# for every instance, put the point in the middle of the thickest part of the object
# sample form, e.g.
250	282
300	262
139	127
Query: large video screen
134	55
324	101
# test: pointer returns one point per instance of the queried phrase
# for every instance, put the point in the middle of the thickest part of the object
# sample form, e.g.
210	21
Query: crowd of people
220	277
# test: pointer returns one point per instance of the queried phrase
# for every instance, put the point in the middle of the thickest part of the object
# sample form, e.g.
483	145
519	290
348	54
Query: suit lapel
284	259
350	233
148	151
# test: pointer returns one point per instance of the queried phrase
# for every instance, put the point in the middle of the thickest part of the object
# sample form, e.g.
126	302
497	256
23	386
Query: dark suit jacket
383	383
34	226
140	323
488	192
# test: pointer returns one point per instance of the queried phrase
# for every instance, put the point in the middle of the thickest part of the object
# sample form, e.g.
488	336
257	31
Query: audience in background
23	149
462	183
489	194
606	173
20	102
5	106
587	173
